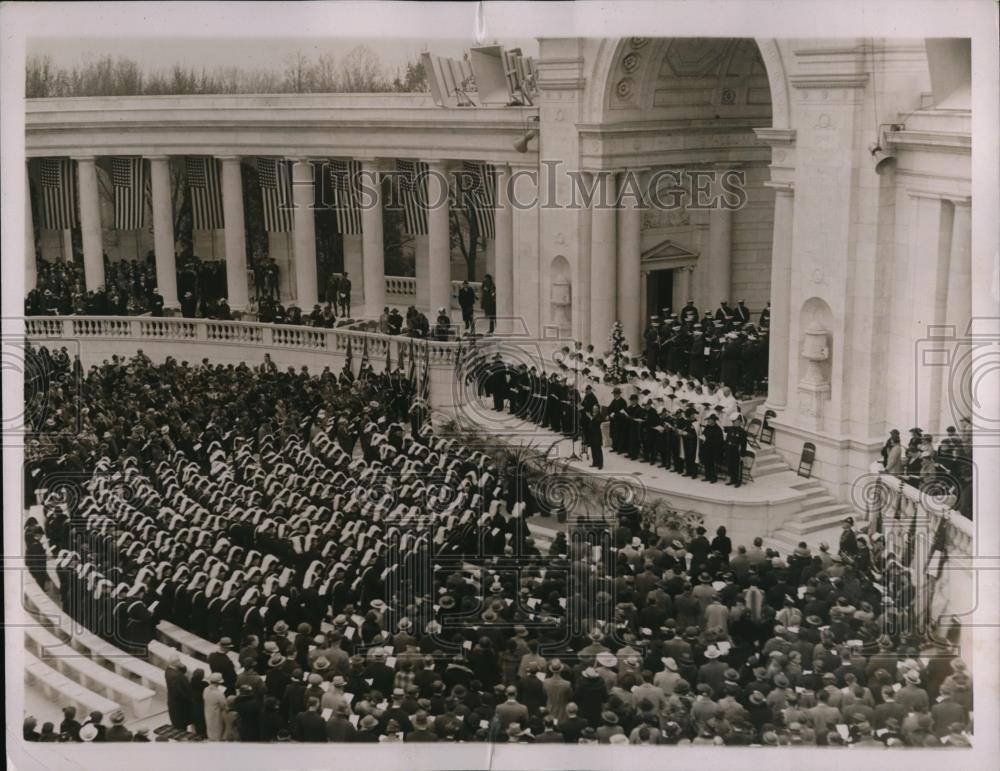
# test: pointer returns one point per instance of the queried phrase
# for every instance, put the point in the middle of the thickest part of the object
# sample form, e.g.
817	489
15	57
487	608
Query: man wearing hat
219	661
911	696
215	707
118	732
558	691
421	729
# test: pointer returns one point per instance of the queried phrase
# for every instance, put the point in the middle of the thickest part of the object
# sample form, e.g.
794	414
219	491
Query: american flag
344	187
275	177
479	188
206	192
413	191
58	194
128	177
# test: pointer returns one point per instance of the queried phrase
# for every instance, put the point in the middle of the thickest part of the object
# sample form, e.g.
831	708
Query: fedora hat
607	659
276	660
712	652
609	717
596	635
757	697
669	663
321	664
913	677
590	673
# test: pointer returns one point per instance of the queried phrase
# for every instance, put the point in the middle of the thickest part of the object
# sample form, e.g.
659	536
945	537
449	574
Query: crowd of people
130	290
723	348
365	581
945	467
679	425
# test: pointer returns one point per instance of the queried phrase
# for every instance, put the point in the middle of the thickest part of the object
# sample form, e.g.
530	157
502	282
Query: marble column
304	196
163	230
372	247
236	248
603	261
629	263
581	277
90	223
503	252
781	291
30	249
439	241
420	268
66	245
956	395
682	286
719	252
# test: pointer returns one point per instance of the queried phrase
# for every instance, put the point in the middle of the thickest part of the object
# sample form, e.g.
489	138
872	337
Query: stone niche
816	352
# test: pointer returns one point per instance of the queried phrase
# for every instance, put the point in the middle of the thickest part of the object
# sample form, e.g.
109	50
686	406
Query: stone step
818	501
829	522
823	512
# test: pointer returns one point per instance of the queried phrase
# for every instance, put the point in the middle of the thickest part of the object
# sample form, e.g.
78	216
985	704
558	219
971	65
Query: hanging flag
479	188
206	192
58	194
345	196
413	192
349	359
363	369
413	365
425	386
128	177
275	175
388	356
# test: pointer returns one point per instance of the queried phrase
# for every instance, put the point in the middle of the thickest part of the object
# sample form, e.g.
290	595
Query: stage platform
777	504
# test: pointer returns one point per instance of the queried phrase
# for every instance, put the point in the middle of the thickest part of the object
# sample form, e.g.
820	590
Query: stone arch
599	79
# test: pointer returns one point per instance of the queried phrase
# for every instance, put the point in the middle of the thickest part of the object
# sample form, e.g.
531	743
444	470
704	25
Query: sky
153	55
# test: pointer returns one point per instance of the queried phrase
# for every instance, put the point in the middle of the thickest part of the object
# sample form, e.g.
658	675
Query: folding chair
754	428
806	460
767	430
749	458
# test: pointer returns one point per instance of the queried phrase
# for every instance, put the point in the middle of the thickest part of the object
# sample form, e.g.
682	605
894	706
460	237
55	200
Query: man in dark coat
593	437
178	694
219	661
616	412
736	446
309	726
711	448
467	302
489	300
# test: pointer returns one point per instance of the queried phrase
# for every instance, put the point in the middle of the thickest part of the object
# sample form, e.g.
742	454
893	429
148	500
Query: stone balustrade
95	339
402	290
925	533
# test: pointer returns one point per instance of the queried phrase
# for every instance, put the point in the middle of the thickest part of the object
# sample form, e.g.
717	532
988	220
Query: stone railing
925	533
238	333
96	339
402	290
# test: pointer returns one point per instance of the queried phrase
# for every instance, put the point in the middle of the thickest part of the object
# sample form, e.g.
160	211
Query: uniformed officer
711	448
736	446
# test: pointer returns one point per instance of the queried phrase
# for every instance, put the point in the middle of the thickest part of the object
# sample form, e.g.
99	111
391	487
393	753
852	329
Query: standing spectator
489	301
215	707
179	698
467	302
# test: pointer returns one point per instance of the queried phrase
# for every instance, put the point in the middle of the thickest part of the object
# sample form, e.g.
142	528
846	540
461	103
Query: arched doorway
691	106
